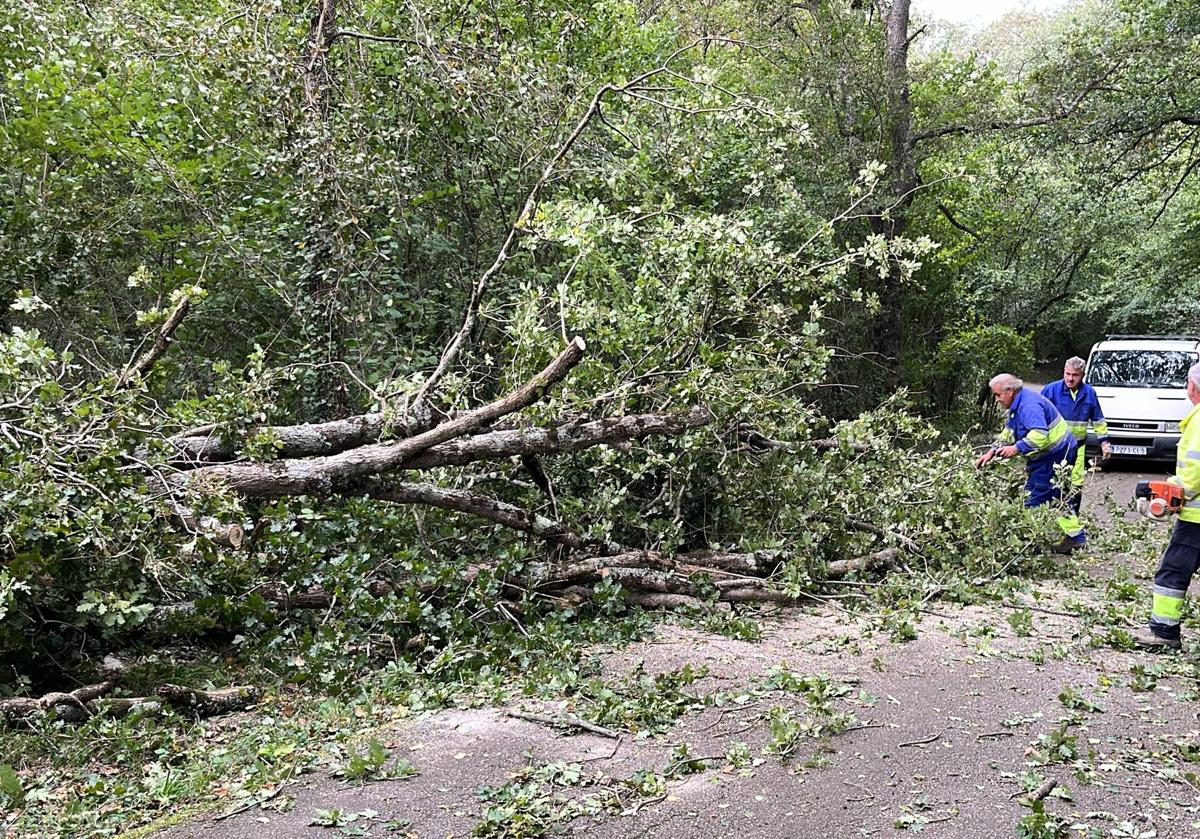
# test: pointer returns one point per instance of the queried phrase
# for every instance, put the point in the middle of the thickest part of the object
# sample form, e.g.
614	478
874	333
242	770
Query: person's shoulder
1029	402
1053	389
1040	409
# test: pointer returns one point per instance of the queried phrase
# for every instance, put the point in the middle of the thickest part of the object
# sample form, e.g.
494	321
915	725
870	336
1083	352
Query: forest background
795	239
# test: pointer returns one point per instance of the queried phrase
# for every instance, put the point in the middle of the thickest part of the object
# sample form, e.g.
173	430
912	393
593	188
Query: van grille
1134	426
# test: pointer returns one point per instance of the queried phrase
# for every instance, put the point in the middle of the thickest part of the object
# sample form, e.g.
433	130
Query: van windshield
1140	368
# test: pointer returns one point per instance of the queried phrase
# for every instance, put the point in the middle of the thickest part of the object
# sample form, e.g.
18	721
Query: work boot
1069	545
1146	639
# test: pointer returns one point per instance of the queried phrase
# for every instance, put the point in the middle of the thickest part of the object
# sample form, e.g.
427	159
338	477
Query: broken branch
564	722
492	509
162	340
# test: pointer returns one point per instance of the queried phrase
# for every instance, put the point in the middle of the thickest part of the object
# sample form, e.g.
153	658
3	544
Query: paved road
1117	482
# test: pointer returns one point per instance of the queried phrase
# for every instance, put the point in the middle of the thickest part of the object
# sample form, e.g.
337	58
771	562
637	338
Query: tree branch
950	218
1004	125
1191	167
570	437
525	215
491	509
305	440
878	561
162	340
367	36
755	440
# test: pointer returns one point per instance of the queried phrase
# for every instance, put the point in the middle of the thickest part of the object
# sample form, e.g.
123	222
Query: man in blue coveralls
1080	407
1036	431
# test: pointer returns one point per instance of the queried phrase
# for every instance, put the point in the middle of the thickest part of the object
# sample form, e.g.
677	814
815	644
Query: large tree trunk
325	475
892	223
570	437
345	473
305	440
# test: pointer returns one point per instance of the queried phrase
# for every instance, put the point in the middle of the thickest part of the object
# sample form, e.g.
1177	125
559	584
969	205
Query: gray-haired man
1080	407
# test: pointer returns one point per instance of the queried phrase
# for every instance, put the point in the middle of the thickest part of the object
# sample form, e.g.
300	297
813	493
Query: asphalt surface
945	727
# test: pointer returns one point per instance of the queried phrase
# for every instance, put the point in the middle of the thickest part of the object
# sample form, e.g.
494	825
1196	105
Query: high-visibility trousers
1174	575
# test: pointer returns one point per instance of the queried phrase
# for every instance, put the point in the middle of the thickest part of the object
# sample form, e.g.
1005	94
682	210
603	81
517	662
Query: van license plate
1138	450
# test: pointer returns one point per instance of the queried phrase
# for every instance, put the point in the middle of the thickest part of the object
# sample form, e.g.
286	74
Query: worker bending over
1036	431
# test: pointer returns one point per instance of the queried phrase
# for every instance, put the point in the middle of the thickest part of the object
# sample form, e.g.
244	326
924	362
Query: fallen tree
364	466
199	485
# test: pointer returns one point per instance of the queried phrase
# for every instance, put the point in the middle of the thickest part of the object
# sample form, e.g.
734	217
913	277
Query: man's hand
1105	450
1008	451
983	459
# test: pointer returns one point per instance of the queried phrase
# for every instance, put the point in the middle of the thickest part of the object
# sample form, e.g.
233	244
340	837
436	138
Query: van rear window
1140	368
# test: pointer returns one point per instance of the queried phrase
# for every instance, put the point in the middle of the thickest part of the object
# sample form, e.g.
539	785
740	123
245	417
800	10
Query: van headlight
1172	428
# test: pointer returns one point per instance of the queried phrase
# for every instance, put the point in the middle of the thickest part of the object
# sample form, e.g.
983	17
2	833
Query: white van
1142	384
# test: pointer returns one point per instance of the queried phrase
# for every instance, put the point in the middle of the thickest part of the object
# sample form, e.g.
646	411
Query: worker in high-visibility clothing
1036	430
1180	559
1080	407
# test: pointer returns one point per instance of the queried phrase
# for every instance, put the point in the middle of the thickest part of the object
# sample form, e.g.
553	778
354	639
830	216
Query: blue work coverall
1041	434
1079	408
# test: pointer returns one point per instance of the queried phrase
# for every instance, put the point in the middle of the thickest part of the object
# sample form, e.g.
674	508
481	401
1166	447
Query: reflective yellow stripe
1101	428
1043	440
1006	436
1166	609
1079	470
1071	526
1058	431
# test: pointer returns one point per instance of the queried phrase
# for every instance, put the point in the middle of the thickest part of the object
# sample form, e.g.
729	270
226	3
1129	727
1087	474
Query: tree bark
509	515
322	32
306	440
207	703
878	561
569	437
83	703
325	475
231	535
892	222
658	600
314	477
754	439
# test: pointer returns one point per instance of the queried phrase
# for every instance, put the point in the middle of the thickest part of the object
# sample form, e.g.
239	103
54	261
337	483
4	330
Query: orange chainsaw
1158	499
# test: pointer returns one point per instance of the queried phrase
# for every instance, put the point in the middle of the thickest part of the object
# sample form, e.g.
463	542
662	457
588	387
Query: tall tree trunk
317	80
323	274
892	224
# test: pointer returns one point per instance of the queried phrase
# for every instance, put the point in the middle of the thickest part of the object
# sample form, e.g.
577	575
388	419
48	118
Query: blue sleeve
1096	415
